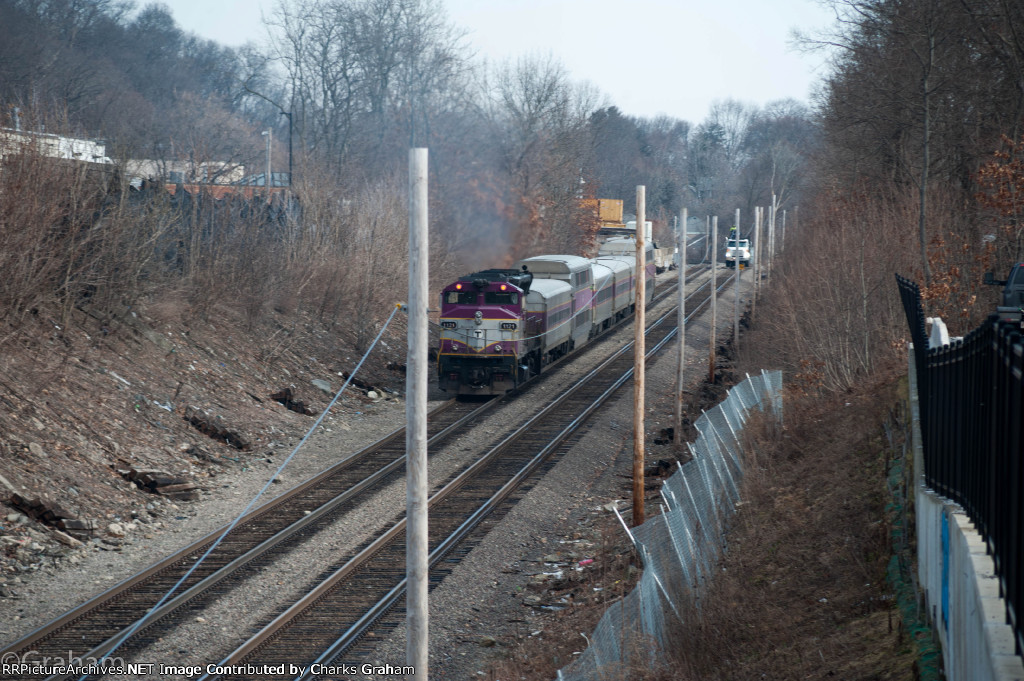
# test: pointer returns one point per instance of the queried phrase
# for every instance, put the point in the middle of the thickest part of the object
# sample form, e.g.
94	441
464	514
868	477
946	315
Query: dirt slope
802	592
189	401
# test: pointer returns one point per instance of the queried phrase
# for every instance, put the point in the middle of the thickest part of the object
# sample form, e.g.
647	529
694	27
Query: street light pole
289	115
269	134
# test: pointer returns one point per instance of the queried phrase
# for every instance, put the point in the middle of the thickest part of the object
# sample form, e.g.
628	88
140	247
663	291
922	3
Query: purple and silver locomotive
501	327
482	325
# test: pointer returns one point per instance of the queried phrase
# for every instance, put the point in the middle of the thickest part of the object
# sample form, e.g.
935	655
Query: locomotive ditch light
503	287
458	287
497	348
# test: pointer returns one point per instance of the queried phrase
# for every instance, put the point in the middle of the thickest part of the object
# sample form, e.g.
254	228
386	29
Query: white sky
648	57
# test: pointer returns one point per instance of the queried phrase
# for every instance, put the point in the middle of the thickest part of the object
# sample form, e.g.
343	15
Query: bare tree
898	64
732	119
320	61
832	326
539	118
778	144
354	67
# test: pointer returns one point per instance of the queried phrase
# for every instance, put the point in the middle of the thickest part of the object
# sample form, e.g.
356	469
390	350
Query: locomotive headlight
448	325
478	318
509	326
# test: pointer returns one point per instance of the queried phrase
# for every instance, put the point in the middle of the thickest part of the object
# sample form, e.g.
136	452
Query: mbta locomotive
501	327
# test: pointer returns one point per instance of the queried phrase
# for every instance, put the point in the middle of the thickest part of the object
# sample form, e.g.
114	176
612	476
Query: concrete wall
958	580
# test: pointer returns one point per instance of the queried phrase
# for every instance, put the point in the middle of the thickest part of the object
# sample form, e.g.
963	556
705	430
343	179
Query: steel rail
33	640
199	588
358	629
361	626
104	599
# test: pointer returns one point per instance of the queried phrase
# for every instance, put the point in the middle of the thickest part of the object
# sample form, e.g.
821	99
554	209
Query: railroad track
332	620
96	627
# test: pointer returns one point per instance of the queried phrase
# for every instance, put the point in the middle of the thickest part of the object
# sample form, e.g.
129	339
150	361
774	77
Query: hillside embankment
806	588
111	427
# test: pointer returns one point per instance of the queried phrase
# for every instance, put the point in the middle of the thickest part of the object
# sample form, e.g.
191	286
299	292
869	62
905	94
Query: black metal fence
971	394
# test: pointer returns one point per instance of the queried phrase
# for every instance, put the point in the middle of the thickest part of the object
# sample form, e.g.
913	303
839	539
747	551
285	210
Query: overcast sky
649	57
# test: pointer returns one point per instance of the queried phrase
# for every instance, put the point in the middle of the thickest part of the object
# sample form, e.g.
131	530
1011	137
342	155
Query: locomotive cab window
460	297
496	298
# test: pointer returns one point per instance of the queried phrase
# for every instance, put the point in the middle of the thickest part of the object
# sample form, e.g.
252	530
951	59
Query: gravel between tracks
480	600
475	601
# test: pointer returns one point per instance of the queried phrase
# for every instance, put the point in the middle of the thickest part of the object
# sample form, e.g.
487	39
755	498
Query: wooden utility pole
758	270
680	374
639	350
416	489
736	291
714	297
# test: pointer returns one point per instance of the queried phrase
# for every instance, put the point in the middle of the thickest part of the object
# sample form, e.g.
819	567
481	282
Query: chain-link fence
681	546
